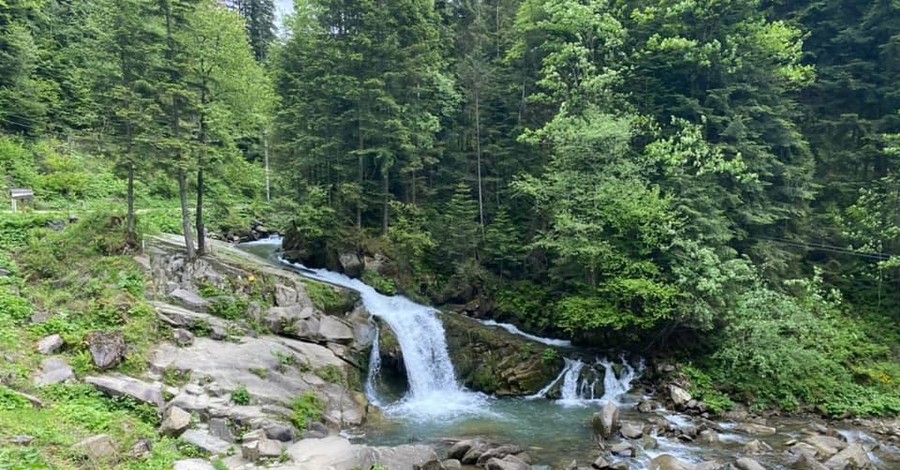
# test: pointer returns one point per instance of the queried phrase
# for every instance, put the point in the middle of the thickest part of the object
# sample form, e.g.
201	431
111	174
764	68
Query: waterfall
614	387
433	389
374	369
577	389
570	390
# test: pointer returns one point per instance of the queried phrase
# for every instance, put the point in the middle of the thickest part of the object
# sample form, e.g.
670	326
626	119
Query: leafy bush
330	373
380	283
307	407
241	396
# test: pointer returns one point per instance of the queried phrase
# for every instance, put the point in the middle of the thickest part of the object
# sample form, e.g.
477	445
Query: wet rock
509	462
620	465
119	385
141	449
499	453
646	406
474	453
600	464
679	396
54	370
826	446
50	345
107	348
854	456
193	464
206	441
667	462
708	436
451	464
746	463
622	449
631	430
459	449
606	421
756	447
351	264
649	442
807	462
430	465
737	413
99	447
710	465
183	337
175	422
755	429
803	448
190	300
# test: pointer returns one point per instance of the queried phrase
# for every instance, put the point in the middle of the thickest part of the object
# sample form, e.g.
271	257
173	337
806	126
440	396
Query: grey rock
219	427
269	449
708	436
351	264
473	453
645	406
807	462
50	345
22	440
218	332
826	446
622	449
280	432
182	337
286	296
649	442
601	463
254	435
755	429
606	421
430	465
190	299
54	370
284	319
99	447
451	464
667	462
120	385
205	441
332	329
853	456
40	318
192	464
631	430
620	465
756	447
804	449
679	396
141	449
498	452
459	449
709	465
107	348
175	422
746	463
509	463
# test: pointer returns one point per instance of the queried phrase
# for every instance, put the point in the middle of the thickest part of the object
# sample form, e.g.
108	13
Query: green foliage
228	307
380	283
241	396
703	388
331	373
307	408
549	356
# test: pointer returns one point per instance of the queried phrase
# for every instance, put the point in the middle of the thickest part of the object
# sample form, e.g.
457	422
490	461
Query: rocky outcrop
337	453
107	348
606	422
54	370
118	385
495	361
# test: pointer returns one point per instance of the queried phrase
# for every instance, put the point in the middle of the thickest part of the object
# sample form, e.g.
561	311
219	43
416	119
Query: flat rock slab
179	317
337	453
121	385
54	370
205	441
189	299
50	345
193	464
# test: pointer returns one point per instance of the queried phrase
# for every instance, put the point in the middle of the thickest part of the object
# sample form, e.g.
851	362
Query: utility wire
828	248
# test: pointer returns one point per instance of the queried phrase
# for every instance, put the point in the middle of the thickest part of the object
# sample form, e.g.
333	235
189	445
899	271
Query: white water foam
273	240
562	343
579	391
433	389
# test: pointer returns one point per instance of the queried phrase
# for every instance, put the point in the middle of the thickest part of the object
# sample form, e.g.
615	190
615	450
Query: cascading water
433	389
374	369
570	390
577	389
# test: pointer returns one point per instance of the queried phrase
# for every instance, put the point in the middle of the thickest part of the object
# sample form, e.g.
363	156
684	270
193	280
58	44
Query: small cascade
579	382
561	343
374	369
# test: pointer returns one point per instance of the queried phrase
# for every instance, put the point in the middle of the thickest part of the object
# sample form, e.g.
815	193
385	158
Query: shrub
241	396
307	407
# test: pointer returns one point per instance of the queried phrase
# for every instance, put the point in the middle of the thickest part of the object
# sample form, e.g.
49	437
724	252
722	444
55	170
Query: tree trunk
130	233
478	158
201	227
185	215
384	215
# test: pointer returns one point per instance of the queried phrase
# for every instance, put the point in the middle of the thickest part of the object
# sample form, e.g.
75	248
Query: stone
649	442
175	422
190	299
40	318
351	264
254	435
205	441
431	465
807	462
756	447
182	337
451	464
600	464
622	449
853	457
285	296
804	448
631	430
606	421
141	449
99	447
826	446
620	465
219	427
261	449
679	396
22	440
280	432
118	385
501	464
708	436
50	345
54	370
459	449
746	463
645	406
218	332
107	348
192	464
709	465
474	453
284	319
334	330
667	462
755	429
498	452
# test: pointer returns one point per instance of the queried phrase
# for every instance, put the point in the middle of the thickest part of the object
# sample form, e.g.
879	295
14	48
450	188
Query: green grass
307	408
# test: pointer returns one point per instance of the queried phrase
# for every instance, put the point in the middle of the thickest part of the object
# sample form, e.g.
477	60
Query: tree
259	18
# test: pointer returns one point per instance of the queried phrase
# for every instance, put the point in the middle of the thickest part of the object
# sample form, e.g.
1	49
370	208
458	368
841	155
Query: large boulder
54	370
667	462
746	463
190	299
99	447
826	446
175	422
679	396
853	457
492	360
509	462
754	429
606	421
351	264
337	453
123	386
107	348
206	441
50	345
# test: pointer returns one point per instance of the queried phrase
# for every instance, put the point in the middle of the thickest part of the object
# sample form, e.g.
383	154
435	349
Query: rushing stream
436	407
